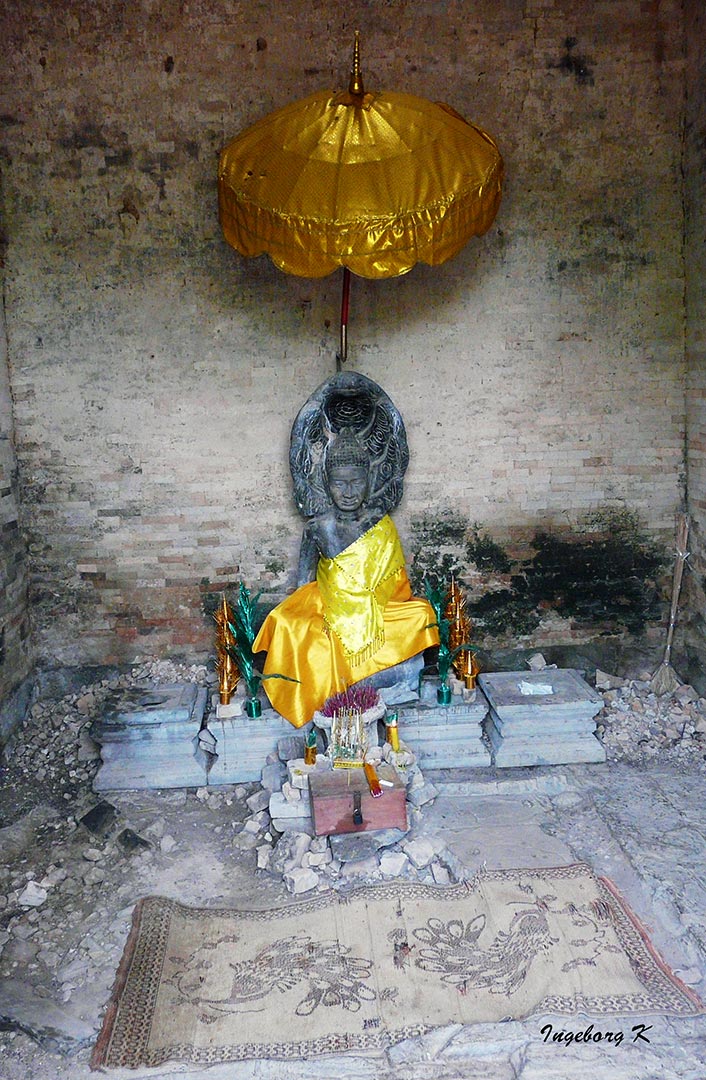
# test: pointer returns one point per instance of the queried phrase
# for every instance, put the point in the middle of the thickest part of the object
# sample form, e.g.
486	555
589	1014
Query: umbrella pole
345	303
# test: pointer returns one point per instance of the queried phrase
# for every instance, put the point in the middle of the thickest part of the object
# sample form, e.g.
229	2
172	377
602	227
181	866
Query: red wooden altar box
332	801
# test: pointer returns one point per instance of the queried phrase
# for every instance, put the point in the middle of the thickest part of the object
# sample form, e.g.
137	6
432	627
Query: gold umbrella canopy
371	182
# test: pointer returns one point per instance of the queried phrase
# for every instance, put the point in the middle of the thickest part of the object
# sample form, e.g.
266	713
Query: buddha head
347	472
349	424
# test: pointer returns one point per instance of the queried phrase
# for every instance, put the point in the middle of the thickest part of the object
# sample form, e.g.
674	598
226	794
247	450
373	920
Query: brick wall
695	262
156	374
15	658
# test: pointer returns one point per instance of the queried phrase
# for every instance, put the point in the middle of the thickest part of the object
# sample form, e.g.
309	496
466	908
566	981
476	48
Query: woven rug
381	964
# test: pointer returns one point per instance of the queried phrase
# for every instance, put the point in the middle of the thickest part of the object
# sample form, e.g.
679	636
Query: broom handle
682	556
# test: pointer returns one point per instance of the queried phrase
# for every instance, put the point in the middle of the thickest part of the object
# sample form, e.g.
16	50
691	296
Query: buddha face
348	486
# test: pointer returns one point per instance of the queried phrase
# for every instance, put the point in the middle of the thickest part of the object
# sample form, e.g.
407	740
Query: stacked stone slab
541	718
148	737
239	746
157	737
446	736
290	807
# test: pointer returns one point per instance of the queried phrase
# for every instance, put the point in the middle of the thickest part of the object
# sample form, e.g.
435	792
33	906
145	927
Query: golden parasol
371	182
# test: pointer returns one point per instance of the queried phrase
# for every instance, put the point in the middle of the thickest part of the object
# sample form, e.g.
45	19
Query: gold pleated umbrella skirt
374	184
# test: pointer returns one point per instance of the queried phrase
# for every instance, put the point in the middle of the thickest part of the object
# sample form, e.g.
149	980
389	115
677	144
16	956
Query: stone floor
641	825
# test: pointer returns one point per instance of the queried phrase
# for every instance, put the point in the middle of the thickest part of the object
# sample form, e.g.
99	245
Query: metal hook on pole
342	355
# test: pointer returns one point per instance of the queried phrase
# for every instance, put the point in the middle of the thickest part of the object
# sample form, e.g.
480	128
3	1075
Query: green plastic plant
243	630
437	599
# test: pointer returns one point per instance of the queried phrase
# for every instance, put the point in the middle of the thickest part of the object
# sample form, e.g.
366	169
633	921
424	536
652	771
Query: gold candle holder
454	604
460	627
392	732
228	674
470	669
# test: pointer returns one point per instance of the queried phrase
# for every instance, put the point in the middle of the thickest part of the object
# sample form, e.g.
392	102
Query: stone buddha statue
353	614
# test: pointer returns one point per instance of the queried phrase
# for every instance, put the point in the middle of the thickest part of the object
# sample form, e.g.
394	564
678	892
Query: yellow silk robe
358	617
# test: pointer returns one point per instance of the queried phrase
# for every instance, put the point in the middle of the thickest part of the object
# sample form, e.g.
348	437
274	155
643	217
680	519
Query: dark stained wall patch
575	63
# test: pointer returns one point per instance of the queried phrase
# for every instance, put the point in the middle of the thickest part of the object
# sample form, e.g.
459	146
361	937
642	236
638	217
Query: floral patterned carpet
368	968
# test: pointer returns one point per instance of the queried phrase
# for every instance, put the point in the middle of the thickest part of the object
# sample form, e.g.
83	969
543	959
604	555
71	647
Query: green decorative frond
245	611
241	648
243	630
437	599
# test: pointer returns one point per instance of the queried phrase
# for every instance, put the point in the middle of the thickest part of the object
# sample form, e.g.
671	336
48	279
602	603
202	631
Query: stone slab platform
149	738
446	736
542	725
569	695
243	744
516	752
148	711
541	718
160	764
156	737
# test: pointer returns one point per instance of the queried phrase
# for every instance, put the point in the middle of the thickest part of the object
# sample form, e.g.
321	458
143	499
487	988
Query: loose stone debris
53	749
638	727
279	828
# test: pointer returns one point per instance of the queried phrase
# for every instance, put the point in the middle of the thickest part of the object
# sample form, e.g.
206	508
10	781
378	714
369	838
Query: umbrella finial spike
355	86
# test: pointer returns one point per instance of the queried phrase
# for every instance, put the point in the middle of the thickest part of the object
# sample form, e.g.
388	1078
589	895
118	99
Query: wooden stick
682	556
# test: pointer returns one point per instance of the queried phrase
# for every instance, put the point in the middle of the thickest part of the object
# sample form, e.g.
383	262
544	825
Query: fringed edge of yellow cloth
359	657
387	246
369	650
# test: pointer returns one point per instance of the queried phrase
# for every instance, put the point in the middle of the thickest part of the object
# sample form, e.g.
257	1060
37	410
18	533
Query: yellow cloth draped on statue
355	587
357	618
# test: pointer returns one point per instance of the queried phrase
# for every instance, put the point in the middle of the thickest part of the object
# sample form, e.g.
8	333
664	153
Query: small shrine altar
351	685
165	737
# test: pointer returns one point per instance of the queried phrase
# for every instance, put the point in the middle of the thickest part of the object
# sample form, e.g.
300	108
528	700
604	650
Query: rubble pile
52	750
640	727
286	847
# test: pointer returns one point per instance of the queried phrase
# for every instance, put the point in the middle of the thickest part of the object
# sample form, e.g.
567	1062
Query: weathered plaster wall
15	658
695	192
156	374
